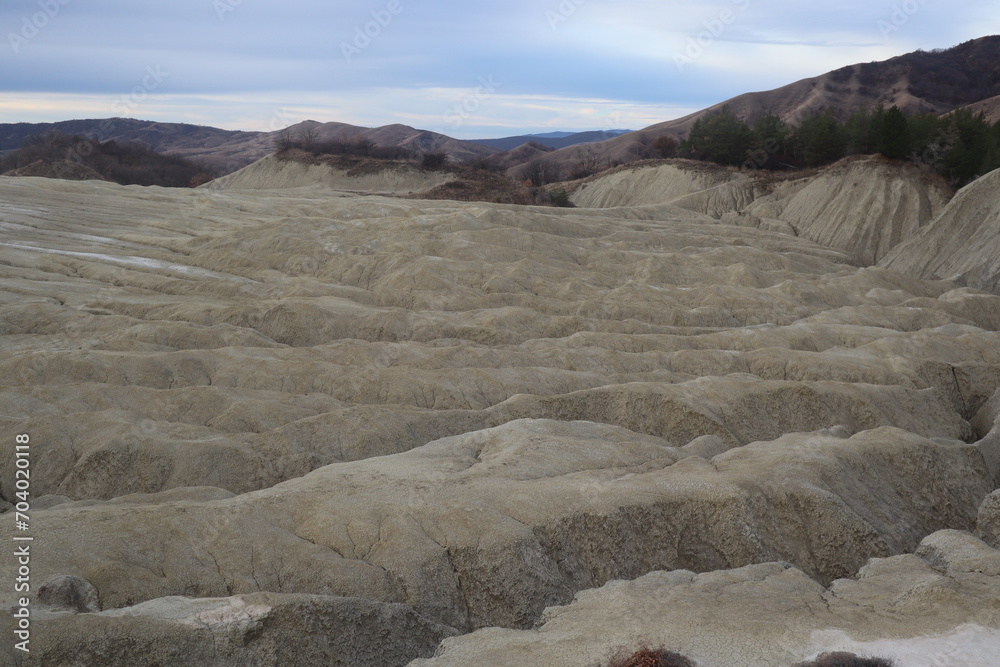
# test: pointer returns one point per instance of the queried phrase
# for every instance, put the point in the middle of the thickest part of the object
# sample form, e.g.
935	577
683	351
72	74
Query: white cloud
233	71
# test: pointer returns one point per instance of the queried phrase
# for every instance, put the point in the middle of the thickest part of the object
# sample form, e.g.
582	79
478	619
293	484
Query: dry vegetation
661	657
479	180
57	155
652	657
844	659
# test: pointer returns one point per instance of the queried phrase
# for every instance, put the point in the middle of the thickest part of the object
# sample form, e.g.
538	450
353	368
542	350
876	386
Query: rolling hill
551	139
228	150
223	149
937	81
940	81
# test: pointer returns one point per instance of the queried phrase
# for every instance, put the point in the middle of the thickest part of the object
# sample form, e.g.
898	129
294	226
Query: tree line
960	146
123	163
308	140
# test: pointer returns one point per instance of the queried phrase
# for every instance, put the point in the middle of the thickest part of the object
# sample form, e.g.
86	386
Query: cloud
365	59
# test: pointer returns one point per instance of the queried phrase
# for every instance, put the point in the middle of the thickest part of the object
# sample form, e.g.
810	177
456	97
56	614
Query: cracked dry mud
301	426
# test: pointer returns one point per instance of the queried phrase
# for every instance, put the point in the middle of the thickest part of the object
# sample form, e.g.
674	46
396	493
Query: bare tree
283	141
538	172
308	137
589	164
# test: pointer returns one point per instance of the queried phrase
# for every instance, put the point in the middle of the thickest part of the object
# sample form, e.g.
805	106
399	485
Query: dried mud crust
460	413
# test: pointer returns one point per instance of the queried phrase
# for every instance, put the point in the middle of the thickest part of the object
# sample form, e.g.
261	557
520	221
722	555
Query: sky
470	69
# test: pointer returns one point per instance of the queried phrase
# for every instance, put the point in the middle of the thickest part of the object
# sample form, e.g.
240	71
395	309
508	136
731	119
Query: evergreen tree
859	131
894	134
960	146
925	139
721	137
770	142
970	153
821	139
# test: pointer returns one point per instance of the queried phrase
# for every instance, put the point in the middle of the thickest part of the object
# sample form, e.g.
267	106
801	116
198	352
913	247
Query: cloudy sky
470	69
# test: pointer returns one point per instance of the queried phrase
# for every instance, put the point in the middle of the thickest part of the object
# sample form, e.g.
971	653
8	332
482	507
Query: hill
296	170
225	150
295	167
863	206
551	139
989	108
397	135
56	155
918	82
962	243
965	76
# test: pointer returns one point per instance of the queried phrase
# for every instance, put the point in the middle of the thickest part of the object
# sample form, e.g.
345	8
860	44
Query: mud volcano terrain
305	427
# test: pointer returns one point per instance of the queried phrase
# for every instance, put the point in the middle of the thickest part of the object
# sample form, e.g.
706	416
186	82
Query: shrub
648	657
199	179
123	163
284	141
665	146
589	164
538	172
560	197
391	153
490	163
308	138
434	160
844	659
362	146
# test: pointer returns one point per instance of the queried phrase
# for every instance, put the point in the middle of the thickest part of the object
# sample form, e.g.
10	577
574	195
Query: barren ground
307	426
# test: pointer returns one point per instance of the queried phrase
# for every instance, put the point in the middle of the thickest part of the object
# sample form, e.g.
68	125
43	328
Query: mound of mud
771	614
862	206
300	422
662	183
962	242
69	170
273	172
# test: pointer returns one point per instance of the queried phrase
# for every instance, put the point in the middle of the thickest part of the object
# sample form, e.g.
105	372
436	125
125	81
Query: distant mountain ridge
939	81
229	150
222	149
551	139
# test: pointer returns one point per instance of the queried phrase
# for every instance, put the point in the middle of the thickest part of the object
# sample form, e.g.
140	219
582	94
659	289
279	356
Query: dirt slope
964	240
644	185
750	616
863	206
918	82
990	108
272	172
